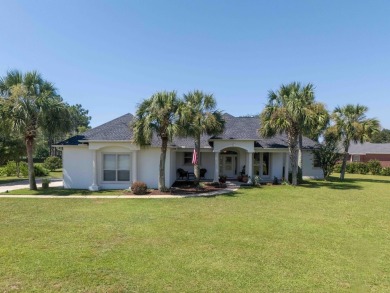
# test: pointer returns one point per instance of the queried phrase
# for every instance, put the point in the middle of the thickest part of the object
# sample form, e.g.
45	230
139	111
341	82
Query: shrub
139	188
351	168
10	168
337	168
23	168
374	166
2	171
52	163
362	168
40	170
385	171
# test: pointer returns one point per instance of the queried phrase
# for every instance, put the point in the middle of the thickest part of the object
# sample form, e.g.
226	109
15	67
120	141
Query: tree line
32	111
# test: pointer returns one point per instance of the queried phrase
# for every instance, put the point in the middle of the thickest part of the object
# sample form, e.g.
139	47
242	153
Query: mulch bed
187	188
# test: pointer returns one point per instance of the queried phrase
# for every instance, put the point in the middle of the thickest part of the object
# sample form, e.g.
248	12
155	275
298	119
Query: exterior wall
148	166
384	159
77	167
309	171
172	168
277	163
247	145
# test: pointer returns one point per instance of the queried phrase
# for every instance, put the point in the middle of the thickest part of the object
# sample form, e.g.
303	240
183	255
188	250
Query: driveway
25	184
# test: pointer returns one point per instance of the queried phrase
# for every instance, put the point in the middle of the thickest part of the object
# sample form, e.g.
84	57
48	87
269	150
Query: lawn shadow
331	184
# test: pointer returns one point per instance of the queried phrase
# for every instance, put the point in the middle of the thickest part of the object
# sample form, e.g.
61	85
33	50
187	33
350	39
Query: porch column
94	186
134	166
250	164
216	167
286	166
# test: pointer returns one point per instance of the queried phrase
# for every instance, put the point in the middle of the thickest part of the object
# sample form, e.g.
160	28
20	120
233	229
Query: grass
56	174
61	191
9	179
320	237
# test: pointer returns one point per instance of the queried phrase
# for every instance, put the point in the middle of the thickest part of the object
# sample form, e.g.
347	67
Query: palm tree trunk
31	173
197	166
293	158
163	155
344	164
300	153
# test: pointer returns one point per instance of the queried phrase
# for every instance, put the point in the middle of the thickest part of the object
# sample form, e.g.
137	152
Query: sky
110	55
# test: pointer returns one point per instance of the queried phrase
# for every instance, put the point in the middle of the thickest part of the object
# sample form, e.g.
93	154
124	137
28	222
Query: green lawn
61	191
8	179
320	237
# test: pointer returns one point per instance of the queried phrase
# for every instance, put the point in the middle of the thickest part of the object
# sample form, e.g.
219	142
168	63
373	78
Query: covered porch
233	160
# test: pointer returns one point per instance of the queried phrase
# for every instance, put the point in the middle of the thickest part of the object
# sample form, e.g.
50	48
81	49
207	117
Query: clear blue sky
110	55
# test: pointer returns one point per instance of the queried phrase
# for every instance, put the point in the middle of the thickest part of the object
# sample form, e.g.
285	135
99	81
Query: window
316	162
188	158
116	167
355	158
265	164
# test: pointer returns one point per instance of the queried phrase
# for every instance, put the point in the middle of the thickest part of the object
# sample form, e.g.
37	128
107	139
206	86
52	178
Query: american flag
194	158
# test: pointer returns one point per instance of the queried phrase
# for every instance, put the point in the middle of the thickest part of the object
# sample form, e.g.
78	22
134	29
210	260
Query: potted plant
222	179
245	178
45	183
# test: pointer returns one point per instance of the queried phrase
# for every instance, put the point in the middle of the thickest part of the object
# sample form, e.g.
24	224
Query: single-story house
105	157
364	152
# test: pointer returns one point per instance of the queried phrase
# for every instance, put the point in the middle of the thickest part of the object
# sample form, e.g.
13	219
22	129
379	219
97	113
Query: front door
228	165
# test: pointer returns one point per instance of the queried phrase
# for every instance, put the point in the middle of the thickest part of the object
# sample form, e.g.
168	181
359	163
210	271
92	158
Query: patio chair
182	173
203	172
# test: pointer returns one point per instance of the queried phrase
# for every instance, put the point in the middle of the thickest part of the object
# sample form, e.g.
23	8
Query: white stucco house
105	157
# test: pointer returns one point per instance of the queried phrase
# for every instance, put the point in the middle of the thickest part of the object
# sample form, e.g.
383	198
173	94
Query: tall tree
157	115
291	110
313	116
382	136
33	102
351	124
80	119
198	116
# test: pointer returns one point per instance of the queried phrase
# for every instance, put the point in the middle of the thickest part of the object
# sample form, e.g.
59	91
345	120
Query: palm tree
198	116
290	110
313	115
351	124
157	115
32	102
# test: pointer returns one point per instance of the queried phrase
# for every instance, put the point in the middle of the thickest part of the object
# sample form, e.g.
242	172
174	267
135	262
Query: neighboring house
106	158
364	152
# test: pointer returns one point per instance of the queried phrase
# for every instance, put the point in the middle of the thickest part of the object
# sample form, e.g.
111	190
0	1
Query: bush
337	168
374	166
52	163
139	188
10	168
40	170
362	168
2	171
385	171
351	168
23	168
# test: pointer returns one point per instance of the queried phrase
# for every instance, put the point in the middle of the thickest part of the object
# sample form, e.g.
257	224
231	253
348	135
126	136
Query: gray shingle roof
240	128
369	148
114	130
